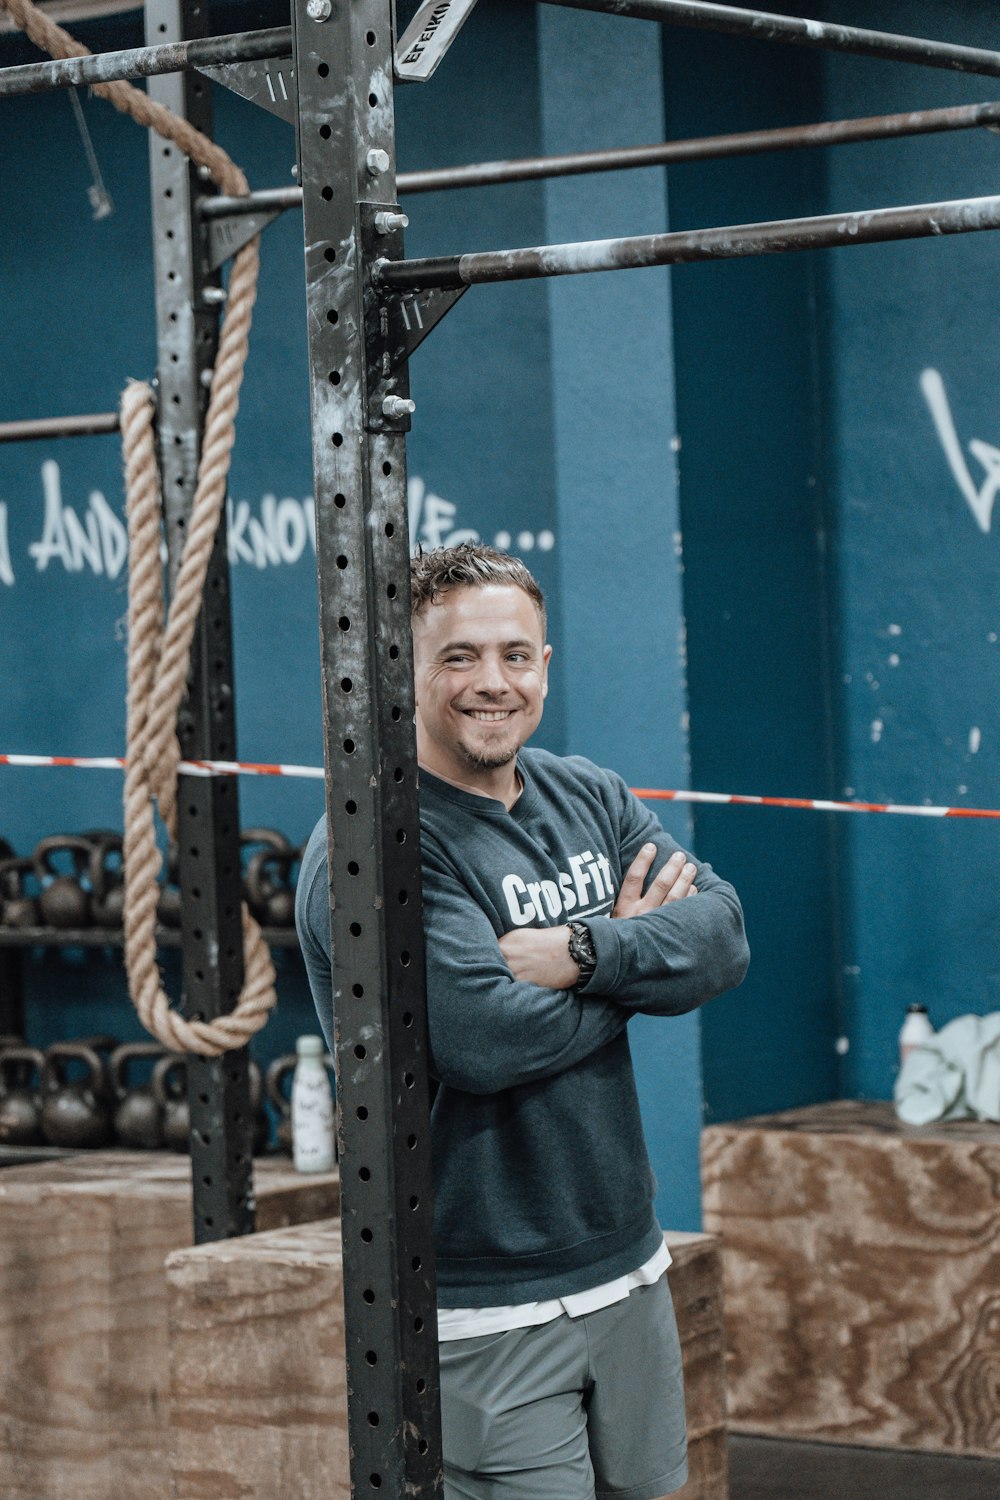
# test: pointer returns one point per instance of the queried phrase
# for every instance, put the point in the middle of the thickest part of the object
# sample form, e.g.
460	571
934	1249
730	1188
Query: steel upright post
343	74
207	807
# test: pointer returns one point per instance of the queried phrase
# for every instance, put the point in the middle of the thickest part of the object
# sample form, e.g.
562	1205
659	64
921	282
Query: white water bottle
312	1108
915	1030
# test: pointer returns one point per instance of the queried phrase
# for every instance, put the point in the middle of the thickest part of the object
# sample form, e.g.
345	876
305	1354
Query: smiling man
555	907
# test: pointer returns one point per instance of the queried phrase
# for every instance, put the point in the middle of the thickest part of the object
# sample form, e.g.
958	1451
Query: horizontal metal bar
766	27
665	153
58	427
267	199
702	148
145	62
871	226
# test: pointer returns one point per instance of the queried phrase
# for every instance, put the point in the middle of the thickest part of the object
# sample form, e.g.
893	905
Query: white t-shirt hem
474	1322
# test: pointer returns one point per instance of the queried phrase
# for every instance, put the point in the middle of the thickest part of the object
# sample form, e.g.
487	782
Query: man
555	908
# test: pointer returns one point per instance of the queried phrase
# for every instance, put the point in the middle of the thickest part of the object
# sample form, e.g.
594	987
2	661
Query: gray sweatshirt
542	1183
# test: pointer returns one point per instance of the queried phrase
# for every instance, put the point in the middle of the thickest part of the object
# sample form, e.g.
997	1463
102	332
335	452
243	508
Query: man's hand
673	883
540	955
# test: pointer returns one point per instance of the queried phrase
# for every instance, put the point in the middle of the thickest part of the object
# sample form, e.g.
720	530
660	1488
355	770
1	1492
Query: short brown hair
470	565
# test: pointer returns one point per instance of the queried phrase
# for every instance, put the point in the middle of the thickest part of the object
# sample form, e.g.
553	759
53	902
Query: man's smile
488	715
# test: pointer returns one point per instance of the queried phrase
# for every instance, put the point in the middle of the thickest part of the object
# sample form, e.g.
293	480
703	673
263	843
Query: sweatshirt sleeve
488	1031
312	922
673	959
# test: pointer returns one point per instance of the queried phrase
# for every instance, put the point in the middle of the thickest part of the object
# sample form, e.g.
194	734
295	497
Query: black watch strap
582	950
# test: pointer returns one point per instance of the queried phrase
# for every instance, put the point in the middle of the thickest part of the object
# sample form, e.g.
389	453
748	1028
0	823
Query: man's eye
517	656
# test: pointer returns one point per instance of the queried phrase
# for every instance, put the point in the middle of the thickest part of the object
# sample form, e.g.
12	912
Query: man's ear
546	658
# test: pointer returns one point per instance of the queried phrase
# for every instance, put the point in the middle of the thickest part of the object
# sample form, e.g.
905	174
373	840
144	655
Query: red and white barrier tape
649	794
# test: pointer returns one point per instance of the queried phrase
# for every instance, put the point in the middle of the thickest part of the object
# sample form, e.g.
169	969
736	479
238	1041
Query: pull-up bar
766	27
146	62
961	216
250	46
664	153
59	427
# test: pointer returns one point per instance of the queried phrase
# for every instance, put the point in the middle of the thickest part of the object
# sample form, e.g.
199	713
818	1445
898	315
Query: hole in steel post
355	929
333	316
367	1236
411	1141
397	713
418	1325
360	1051
329	253
206	1181
353	868
422	1446
346	684
325	132
344	622
350	807
421	1386
371	1357
334	377
397	774
357	990
390	590
341	561
390	530
373	100
203	1098
373	1419
404	959
326	193
400	835
416	1263
387	467
349	747
368	1295
340	501
409	1080
365	1174
403	897
407	1018
375	1480
323	70
371	38
209	1221
361	1112
414	1202
394	652
337	439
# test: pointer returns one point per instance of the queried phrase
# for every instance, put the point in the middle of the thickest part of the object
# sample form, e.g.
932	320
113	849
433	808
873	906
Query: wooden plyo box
861	1265
257	1366
84	1355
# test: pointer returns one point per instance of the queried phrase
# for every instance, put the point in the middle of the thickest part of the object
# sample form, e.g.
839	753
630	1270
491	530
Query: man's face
481	674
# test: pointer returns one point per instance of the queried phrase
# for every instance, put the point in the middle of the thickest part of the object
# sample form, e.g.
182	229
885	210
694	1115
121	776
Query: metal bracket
396	323
428	37
229	234
269	83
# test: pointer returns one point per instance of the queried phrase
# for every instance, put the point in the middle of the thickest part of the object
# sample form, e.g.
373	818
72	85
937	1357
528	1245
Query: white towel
955	1075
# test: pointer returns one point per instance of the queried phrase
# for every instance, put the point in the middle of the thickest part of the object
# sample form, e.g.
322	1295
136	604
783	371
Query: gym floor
771	1469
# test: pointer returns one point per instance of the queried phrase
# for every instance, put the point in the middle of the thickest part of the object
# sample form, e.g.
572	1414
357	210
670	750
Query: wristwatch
582	950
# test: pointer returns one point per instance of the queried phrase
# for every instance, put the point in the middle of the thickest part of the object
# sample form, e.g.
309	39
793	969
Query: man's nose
489	677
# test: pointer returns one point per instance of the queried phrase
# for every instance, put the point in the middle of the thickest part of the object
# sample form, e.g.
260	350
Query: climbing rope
160	651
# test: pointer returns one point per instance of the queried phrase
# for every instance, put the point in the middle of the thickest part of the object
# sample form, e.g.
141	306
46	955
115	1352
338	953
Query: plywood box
84	1368
861	1263
257	1366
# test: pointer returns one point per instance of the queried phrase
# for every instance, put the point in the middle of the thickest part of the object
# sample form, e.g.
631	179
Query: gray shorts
588	1408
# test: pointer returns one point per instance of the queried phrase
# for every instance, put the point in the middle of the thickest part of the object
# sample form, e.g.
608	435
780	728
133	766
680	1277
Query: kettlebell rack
332	75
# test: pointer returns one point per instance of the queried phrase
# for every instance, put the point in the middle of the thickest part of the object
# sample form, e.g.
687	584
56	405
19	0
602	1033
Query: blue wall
908	339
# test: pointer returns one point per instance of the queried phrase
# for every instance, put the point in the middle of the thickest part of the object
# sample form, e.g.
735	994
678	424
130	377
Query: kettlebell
107	898
20	1105
63	903
272	842
17	908
75	1114
168	906
272	900
138	1118
169	1083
